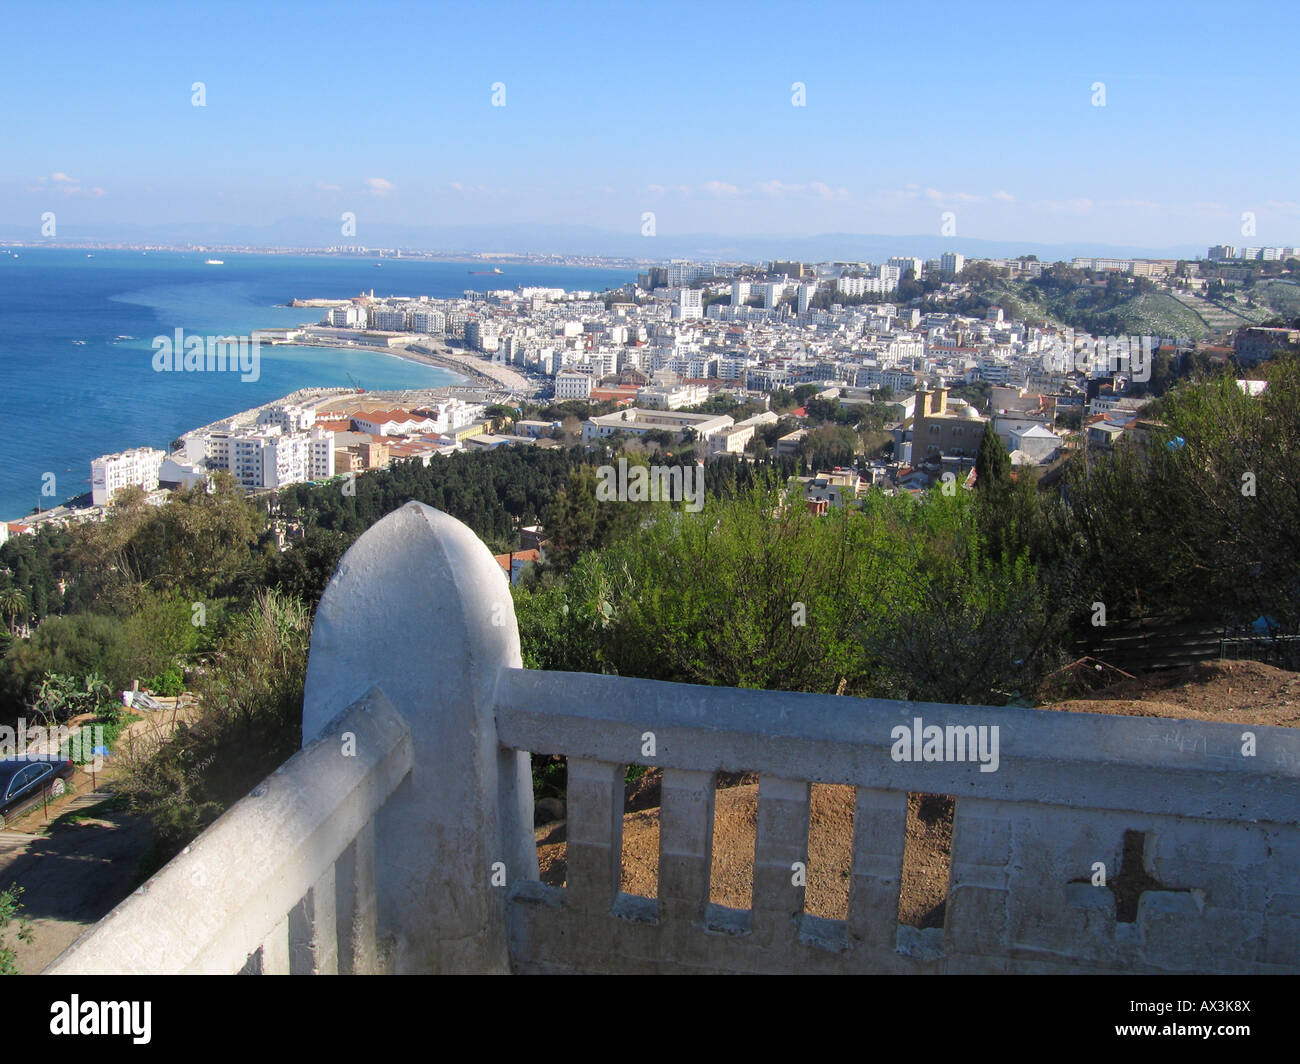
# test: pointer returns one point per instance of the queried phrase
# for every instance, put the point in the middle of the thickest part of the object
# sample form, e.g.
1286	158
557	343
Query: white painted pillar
419	606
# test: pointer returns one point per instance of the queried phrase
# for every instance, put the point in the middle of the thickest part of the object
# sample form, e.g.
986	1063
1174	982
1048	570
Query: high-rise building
111	473
682	271
689	303
269	458
903	263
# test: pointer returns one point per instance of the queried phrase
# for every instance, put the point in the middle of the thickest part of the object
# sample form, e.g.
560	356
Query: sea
77	378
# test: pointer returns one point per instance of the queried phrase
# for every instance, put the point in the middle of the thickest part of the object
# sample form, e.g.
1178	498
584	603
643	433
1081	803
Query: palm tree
12	603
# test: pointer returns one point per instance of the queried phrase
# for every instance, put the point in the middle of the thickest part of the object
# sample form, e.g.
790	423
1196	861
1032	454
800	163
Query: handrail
226	894
1159	765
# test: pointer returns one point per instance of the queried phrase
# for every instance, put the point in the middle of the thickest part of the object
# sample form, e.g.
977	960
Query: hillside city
708	352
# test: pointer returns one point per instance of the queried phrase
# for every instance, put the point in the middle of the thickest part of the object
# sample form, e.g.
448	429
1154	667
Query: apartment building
389	319
348	317
951	262
110	473
573	385
903	263
268	458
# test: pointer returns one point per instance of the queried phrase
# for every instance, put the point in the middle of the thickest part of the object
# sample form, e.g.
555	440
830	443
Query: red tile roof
503	560
378	417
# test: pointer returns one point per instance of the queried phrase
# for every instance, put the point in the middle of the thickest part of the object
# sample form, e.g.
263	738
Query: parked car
23	781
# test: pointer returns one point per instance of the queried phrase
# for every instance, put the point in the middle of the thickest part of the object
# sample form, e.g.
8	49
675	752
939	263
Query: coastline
463	371
467	372
498	376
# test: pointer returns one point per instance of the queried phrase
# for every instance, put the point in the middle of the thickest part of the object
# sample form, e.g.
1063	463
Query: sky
1146	124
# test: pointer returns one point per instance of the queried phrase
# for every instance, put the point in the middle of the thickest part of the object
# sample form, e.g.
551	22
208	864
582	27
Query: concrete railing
283	882
1200	843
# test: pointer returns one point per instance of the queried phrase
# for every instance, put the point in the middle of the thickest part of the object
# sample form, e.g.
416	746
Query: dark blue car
24	780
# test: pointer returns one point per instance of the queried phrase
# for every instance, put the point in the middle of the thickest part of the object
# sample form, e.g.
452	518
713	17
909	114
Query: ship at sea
485	273
214	262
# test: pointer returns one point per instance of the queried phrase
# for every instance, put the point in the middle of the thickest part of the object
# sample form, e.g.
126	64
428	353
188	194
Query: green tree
992	463
578	522
13	604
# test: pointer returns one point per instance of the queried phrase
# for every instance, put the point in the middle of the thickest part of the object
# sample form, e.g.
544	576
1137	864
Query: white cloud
824	191
935	196
812	190
379	186
1004	196
1073	206
720	188
67	186
326	187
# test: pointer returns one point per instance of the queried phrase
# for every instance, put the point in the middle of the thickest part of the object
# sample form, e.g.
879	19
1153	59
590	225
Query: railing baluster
594	848
275	950
685	843
879	830
313	930
356	905
781	842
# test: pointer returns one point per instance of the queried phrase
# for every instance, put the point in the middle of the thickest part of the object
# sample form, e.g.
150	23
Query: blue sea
65	403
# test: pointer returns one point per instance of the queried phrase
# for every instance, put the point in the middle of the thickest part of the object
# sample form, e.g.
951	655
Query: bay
66	402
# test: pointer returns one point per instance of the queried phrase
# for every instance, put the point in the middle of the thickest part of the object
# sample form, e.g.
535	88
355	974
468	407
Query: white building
682	271
428	321
389	319
672	397
110	473
481	336
446	415
689	304
288	417
320	454
267	458
637	422
952	262
349	317
573	385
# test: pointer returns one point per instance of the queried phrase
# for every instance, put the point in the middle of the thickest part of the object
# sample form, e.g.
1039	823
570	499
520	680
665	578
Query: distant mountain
521	238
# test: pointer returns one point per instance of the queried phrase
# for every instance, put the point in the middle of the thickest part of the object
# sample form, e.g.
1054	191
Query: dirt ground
1246	692
78	857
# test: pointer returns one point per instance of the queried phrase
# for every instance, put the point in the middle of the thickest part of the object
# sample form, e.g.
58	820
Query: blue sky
984	110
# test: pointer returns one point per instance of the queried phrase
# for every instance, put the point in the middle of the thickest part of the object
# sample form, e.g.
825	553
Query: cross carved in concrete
1133	880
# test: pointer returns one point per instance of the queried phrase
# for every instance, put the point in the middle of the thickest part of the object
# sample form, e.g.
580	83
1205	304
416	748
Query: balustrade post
419	606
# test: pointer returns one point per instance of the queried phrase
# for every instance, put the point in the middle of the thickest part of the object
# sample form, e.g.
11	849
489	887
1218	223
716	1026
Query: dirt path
72	877
78	857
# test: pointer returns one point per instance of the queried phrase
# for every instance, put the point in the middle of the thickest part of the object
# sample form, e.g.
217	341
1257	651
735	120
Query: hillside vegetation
970	597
